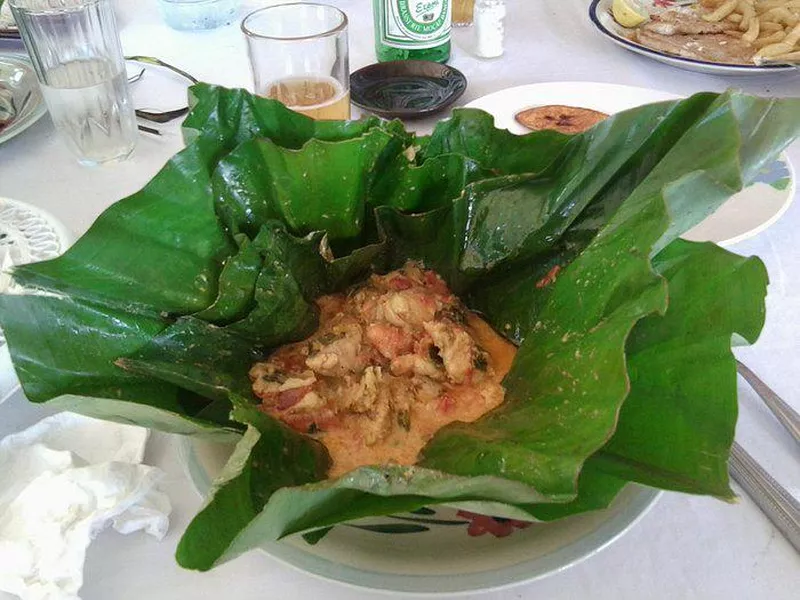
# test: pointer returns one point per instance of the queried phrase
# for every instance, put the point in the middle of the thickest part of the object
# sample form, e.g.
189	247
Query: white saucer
744	215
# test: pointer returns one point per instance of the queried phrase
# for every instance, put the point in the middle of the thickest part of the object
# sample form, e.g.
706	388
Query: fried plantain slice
566	119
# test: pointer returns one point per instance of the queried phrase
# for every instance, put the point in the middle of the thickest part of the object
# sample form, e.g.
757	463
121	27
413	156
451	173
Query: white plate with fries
736	37
744	215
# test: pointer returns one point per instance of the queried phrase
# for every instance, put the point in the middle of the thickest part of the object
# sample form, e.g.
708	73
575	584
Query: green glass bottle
412	30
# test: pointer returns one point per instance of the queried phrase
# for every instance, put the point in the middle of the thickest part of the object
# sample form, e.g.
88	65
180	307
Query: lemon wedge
629	13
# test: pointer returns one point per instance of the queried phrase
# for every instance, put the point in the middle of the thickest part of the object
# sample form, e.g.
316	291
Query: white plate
599	13
8	28
437	557
27	234
16	72
744	215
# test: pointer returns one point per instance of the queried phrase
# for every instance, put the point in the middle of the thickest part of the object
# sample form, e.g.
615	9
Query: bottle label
415	24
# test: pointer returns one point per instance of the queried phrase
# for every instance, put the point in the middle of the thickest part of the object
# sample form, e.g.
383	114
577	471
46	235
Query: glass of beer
298	54
463	12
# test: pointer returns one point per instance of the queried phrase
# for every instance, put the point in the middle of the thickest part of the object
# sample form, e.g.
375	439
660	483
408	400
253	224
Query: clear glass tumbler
298	54
75	50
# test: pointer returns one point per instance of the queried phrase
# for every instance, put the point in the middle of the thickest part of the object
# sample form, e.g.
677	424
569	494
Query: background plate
433	553
17	73
599	13
744	215
8	28
27	234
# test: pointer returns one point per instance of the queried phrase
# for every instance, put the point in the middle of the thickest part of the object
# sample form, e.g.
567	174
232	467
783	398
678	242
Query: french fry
770	27
752	33
766	5
734	18
723	11
774	50
779	15
792	57
793	36
770	39
748	13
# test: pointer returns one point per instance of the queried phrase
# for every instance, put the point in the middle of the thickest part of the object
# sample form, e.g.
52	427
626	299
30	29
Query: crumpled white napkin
62	481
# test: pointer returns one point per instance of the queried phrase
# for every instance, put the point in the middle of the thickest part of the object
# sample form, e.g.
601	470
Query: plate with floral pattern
438	549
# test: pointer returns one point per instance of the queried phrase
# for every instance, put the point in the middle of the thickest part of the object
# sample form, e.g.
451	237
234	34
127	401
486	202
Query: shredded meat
392	362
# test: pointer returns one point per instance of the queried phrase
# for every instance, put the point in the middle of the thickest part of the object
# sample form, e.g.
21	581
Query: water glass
298	54
75	50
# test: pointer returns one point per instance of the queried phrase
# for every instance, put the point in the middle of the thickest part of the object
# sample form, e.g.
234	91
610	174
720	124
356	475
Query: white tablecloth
686	547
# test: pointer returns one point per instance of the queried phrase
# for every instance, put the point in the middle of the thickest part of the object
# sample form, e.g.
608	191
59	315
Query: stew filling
393	361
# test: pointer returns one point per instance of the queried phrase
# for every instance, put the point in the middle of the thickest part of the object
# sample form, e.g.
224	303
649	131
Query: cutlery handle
775	502
147	129
782	411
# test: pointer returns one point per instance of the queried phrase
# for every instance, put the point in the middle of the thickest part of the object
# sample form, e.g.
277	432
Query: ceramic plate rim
617	91
642	501
9	384
39	109
689	63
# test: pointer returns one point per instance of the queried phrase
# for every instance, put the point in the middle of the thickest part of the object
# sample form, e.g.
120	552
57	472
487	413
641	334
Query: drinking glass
463	12
298	54
76	53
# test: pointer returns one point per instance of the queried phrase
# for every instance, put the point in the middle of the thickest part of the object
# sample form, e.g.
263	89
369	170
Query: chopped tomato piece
400	282
446	403
549	278
288	398
389	340
435	283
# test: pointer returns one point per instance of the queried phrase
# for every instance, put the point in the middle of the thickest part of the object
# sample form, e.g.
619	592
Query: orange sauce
462	403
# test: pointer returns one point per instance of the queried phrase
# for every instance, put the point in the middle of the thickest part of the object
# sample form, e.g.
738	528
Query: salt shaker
489	29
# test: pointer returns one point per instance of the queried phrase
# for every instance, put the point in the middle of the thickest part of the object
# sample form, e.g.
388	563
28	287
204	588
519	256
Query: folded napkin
62	481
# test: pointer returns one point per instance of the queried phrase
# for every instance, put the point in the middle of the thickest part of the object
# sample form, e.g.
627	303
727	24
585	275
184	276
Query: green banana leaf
567	244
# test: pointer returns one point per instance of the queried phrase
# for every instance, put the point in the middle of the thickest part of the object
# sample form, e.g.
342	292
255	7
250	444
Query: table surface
686	547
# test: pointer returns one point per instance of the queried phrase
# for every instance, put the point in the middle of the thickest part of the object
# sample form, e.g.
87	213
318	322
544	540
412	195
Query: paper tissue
62	481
